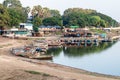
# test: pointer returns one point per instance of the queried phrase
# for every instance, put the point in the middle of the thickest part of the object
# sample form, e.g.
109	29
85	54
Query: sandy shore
19	68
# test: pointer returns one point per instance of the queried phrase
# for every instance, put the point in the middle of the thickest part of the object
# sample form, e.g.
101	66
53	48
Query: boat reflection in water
80	50
79	43
101	58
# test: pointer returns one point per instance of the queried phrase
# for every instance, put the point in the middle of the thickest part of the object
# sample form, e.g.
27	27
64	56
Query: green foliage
108	20
32	72
95	20
54	51
35	28
4	17
86	17
17	13
37	73
52	21
44	12
80	51
81	23
48	17
12	3
37	11
97	31
103	23
74	19
16	16
55	13
37	21
13	13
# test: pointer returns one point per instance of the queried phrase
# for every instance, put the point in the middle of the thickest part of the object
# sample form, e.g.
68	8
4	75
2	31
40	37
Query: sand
19	68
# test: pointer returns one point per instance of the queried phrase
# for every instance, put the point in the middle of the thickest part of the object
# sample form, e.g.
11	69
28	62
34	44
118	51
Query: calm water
104	58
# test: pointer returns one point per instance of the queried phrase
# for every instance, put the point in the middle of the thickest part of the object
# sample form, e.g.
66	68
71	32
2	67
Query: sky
108	7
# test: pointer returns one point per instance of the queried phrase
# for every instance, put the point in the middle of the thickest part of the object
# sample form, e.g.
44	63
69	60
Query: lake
104	58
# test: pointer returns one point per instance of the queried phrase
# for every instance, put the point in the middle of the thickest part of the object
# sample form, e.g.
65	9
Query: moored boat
44	57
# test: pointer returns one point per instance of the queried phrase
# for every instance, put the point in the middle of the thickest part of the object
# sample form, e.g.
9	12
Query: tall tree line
12	13
87	17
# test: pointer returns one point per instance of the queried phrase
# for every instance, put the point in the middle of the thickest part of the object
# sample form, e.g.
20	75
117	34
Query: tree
27	9
16	12
81	23
36	23
14	17
37	11
4	17
78	10
17	16
108	20
52	21
103	23
77	16
95	21
55	13
44	12
40	12
12	3
74	19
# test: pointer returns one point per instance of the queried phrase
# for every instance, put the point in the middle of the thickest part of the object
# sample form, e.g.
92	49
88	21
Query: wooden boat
32	54
82	42
89	42
44	57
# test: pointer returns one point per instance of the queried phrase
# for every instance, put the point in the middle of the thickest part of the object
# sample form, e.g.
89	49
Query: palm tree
37	11
12	3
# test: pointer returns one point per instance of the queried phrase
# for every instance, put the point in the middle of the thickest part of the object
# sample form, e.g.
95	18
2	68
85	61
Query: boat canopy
74	26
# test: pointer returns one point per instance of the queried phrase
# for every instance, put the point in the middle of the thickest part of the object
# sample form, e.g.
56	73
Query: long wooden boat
28	54
44	57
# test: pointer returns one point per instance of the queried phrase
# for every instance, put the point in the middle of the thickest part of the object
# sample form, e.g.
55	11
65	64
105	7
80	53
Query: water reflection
104	58
54	51
80	51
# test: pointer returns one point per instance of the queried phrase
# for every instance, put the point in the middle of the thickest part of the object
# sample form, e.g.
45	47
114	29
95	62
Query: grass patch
41	38
58	33
46	74
32	72
19	41
36	73
97	31
1	46
8	45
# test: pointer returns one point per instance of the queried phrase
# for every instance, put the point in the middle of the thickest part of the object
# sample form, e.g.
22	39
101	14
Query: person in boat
38	49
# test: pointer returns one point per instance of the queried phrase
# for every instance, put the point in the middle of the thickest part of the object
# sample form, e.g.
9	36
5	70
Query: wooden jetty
78	41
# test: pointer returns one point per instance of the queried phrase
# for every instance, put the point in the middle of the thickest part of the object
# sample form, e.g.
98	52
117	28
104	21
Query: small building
27	26
15	32
49	30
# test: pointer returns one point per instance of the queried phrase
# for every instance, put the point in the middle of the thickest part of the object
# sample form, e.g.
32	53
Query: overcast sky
108	7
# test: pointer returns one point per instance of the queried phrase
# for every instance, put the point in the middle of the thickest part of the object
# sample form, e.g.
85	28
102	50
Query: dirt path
18	68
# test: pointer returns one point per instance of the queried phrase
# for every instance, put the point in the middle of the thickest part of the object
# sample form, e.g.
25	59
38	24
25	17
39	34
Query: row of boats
38	49
80	42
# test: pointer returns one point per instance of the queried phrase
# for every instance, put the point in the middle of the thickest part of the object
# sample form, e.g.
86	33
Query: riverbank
19	68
